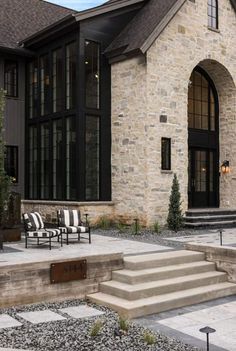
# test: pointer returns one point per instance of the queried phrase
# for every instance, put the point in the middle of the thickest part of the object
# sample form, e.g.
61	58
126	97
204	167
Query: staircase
211	218
159	282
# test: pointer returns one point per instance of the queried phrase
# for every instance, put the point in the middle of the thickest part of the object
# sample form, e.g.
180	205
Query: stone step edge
202	224
135	277
135	292
132	309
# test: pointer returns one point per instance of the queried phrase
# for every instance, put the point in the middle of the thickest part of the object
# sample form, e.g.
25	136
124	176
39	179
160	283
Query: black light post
86	221
221	237
207	331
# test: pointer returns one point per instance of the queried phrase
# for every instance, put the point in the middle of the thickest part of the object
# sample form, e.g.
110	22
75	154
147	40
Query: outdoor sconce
225	169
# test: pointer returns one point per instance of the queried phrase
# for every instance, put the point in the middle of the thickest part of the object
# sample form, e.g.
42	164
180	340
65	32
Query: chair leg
38	241
78	236
50	243
61	240
67	239
26	244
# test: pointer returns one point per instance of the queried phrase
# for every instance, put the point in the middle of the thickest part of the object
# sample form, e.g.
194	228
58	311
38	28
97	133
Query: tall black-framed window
92	74
45	160
57	137
92	151
71	75
33	174
33	89
213	21
57	80
201	102
166	154
11	78
11	162
44	85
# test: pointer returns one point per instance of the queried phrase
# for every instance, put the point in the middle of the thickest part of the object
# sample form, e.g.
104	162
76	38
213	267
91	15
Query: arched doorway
203	141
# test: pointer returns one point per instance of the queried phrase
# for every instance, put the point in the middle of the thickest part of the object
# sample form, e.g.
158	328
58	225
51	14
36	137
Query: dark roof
148	23
22	18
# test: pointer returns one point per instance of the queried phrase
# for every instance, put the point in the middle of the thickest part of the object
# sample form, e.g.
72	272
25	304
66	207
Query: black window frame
166	154
14	87
212	6
11	150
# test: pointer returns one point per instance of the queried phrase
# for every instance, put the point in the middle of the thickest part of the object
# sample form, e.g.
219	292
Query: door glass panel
200	171
211	172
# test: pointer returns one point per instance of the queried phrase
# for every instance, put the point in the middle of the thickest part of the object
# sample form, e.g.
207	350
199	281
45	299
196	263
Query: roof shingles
22	18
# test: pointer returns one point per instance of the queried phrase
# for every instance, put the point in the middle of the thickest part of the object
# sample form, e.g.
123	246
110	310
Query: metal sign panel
66	271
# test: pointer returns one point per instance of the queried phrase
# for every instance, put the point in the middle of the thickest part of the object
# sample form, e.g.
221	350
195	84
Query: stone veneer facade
143	88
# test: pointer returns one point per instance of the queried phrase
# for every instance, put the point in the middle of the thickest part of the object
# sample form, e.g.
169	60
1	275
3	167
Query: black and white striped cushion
74	229
69	218
44	233
33	221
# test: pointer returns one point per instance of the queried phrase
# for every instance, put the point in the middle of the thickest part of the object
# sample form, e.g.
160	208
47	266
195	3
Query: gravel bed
74	334
148	236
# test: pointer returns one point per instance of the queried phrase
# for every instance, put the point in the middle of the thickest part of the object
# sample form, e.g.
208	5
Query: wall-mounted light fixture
225	168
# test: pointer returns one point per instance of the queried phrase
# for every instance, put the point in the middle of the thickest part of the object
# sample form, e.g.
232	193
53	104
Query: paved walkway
101	245
210	237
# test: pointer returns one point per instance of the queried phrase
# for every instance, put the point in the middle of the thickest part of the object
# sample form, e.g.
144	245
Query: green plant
135	227
96	328
156	227
121	227
5	181
149	338
123	324
175	217
104	223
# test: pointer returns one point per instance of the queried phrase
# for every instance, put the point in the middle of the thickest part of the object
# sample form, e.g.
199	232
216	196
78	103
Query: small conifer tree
5	181
175	217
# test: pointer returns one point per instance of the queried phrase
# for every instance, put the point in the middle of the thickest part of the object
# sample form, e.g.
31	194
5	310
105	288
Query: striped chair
34	228
69	222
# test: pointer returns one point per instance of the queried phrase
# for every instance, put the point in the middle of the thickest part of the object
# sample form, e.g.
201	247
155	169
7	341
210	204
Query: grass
104	223
156	227
123	324
96	328
149	338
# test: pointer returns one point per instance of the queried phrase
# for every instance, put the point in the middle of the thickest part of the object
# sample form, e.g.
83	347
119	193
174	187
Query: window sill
213	29
166	171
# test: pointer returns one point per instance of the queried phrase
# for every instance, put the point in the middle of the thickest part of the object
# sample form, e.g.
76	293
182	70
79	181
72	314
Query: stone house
121	97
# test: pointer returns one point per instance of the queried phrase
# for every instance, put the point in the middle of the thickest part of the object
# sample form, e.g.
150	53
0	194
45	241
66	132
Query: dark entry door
203	185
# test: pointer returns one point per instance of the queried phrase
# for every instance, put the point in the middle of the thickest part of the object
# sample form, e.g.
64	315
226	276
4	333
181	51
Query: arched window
213	14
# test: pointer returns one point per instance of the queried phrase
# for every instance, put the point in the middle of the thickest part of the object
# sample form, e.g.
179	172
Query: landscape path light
207	331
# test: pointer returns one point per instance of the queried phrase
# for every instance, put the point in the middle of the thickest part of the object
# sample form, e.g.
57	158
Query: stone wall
224	257
143	90
48	209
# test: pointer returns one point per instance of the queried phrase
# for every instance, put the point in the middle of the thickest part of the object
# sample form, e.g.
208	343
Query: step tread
133	274
162	283
162	255
129	305
209	217
209	223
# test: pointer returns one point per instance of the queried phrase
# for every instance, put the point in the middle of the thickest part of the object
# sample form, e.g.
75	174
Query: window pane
92	157
44	85
45	161
11	78
70	159
57	160
33	161
212	13
70	75
57	84
11	163
165	154
92	74
33	89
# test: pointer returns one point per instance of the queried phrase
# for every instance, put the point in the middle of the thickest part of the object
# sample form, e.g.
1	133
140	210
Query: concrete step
165	302
162	259
210	212
216	224
147	275
145	290
213	218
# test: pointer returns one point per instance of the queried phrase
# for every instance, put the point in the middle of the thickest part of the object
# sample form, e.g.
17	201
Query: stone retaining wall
30	282
223	256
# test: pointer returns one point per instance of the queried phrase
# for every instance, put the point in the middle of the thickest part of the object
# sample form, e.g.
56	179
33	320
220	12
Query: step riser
221	225
209	219
210	213
165	306
131	296
118	276
163	262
